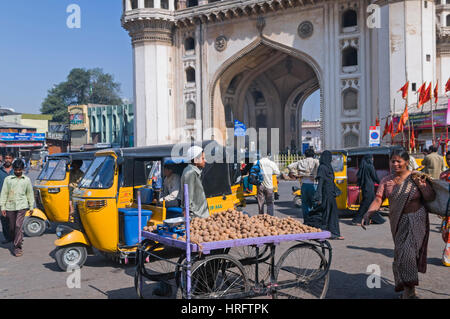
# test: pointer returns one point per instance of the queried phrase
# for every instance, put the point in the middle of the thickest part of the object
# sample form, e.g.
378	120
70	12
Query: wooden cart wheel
215	277
306	266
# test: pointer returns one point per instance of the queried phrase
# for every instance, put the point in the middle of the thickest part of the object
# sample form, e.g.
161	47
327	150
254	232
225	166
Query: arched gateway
200	65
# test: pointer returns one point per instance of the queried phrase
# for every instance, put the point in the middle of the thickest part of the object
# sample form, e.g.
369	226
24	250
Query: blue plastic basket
131	224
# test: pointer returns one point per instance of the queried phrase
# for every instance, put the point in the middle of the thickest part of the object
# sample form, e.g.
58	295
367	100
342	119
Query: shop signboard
11	137
422	120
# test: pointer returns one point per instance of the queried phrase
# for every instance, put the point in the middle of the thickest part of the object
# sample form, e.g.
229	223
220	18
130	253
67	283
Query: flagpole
432	119
392	138
409	125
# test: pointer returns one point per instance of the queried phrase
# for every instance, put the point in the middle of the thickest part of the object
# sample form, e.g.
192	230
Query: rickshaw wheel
71	257
305	265
33	226
298	201
215	277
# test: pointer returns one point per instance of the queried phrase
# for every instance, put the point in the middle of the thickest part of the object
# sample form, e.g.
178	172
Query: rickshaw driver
191	176
171	187
76	174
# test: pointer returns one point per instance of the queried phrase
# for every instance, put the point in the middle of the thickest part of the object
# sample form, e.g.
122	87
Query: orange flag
377	122
447	86
386	128
435	93
403	119
421	91
404	90
425	96
412	141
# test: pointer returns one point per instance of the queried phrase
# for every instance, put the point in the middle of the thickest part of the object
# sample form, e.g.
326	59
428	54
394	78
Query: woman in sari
325	196
445	228
408	220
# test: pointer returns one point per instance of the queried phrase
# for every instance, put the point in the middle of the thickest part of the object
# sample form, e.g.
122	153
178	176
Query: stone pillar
172	5
157	4
153	78
127	5
141	4
202	2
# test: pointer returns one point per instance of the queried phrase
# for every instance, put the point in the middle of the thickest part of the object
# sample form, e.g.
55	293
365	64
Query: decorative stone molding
352	127
349	5
220	44
346	83
350	42
260	24
150	31
305	29
189	63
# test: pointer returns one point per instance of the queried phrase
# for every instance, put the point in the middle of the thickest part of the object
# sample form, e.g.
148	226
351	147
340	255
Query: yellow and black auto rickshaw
51	192
346	163
107	202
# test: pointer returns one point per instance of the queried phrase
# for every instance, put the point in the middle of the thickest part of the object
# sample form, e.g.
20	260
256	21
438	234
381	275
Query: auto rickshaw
108	194
346	164
51	192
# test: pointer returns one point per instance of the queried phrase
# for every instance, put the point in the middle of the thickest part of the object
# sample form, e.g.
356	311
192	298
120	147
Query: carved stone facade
257	61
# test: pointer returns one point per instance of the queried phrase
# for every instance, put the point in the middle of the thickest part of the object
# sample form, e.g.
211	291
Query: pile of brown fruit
232	224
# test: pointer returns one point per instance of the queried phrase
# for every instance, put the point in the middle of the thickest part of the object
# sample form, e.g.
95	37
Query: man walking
265	190
433	163
5	171
15	200
307	172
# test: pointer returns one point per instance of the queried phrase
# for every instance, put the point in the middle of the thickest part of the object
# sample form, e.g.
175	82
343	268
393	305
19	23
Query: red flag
447	86
435	93
412	141
377	122
425	96
386	128
404	90
403	119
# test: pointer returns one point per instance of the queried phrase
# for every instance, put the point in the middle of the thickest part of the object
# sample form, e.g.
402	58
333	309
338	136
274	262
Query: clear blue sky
38	50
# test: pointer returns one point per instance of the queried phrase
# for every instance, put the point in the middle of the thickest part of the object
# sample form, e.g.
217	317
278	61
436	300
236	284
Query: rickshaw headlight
62	231
95	203
340	181
54	190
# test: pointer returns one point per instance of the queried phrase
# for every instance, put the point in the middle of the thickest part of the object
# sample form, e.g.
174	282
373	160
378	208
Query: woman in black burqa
325	197
367	177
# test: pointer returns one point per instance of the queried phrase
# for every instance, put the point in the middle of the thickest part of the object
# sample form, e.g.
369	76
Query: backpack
255	177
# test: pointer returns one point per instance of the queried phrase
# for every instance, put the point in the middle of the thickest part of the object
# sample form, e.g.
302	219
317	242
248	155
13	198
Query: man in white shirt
307	171
265	190
171	187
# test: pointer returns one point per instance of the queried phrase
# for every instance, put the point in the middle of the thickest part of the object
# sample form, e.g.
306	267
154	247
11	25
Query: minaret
443	44
150	24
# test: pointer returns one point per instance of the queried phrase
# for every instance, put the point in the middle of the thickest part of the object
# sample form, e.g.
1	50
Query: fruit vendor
198	206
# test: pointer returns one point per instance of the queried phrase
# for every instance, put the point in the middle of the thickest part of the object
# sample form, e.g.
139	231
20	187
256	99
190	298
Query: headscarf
325	169
364	170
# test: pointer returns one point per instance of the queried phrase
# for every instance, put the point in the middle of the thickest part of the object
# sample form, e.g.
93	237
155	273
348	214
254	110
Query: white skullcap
194	152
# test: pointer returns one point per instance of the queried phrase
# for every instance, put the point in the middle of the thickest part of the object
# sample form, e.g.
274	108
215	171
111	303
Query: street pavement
36	275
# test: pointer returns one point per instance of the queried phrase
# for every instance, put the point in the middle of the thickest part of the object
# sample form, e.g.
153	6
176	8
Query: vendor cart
230	269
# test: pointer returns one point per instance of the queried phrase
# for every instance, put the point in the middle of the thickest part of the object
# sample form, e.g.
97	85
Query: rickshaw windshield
100	174
54	170
337	162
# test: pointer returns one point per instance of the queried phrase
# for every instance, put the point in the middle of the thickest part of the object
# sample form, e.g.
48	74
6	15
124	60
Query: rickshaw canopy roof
379	150
73	156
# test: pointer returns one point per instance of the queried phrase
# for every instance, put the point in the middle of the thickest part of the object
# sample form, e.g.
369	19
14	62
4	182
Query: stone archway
276	75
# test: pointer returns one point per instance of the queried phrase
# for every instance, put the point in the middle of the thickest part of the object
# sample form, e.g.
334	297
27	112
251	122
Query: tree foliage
82	87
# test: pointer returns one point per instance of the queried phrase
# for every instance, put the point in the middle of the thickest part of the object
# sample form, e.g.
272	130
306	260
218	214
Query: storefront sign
22	137
423	120
77	119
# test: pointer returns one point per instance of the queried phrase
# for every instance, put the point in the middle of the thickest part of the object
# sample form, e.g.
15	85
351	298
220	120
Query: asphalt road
36	275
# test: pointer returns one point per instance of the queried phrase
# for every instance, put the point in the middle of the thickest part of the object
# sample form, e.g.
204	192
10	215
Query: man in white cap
191	176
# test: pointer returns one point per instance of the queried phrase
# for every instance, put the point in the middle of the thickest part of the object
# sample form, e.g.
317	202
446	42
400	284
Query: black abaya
326	194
